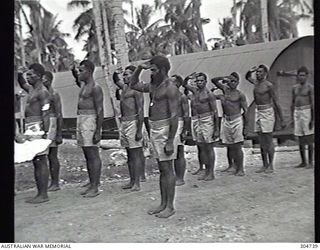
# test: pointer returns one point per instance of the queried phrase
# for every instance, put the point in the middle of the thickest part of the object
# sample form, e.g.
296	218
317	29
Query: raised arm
75	76
173	102
248	76
139	106
23	83
217	81
116	79
214	110
187	86
98	105
58	109
135	83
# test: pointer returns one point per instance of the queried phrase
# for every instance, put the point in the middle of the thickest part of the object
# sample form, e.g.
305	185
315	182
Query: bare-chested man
131	104
55	131
233	127
207	131
303	115
266	101
163	119
89	123
194	120
183	114
37	121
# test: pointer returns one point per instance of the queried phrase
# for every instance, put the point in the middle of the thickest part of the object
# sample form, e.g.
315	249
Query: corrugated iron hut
286	55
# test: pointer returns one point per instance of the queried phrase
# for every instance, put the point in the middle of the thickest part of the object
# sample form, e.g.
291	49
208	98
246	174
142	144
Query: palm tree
186	34
145	39
283	16
50	43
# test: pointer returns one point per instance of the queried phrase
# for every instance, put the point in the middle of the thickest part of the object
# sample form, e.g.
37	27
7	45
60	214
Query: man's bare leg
94	170
203	159
180	166
163	191
130	168
167	167
239	159
143	169
303	156
210	162
270	147
264	153
310	156
200	170
230	153
41	175
54	166
137	166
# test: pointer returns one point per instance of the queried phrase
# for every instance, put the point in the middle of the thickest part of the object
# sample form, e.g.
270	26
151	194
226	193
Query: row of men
168	112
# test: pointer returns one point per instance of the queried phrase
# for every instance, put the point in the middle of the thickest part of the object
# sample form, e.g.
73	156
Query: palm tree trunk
35	20
23	54
119	33
202	42
96	7
264	20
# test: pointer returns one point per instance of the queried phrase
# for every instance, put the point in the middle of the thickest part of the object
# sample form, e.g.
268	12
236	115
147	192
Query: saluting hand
145	66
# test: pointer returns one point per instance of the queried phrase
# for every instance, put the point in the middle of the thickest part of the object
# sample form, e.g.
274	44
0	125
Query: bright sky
213	9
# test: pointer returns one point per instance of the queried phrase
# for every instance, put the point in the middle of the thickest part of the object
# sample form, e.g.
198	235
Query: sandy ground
276	207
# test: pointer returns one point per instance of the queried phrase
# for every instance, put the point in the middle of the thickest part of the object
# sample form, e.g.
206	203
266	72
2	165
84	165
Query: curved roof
239	59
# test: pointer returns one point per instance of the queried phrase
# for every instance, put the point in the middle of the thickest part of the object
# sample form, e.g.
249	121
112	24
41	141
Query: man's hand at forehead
145	65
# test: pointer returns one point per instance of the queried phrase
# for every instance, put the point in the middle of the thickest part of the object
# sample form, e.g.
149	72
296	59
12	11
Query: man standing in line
163	119
131	105
266	101
207	131
183	114
89	123
55	131
194	122
303	115
37	124
233	127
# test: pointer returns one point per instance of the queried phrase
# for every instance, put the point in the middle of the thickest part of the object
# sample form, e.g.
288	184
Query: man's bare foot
240	173
38	199
86	191
92	193
269	171
302	165
199	171
127	186
261	170
86	185
156	210
202	177
228	169
53	188
135	188
209	177
180	182
310	165
166	213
